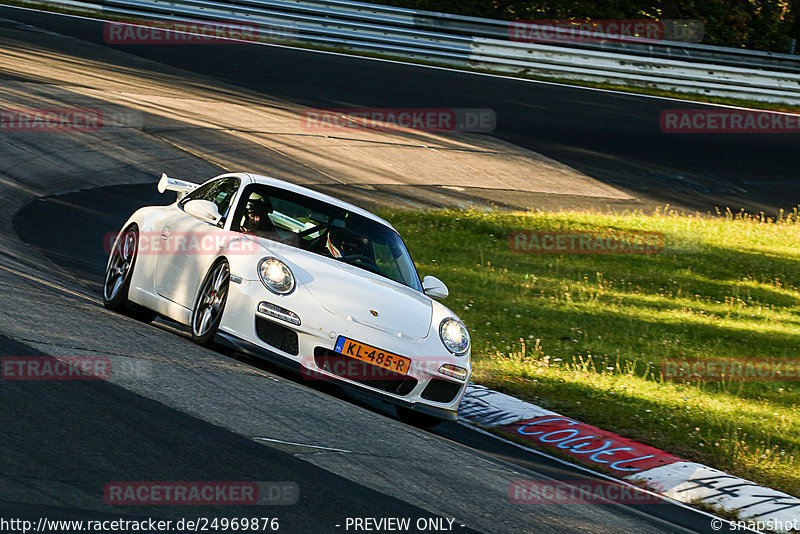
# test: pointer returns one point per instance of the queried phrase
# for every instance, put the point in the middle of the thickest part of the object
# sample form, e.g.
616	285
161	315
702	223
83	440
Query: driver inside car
341	244
256	217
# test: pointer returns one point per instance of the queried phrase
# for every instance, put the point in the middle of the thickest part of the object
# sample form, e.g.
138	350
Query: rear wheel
417	419
210	304
118	277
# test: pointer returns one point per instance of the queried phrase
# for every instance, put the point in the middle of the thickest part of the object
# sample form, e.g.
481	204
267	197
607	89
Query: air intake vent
276	335
441	390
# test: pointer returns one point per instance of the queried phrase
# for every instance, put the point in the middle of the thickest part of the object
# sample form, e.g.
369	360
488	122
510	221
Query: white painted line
301	445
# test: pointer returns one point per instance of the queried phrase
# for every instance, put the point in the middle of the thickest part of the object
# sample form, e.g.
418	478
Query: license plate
369	354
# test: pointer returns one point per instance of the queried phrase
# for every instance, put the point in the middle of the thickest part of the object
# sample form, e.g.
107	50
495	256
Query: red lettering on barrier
590	444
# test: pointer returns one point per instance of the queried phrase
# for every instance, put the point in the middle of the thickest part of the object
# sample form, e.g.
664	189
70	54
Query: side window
199	193
220	192
223	194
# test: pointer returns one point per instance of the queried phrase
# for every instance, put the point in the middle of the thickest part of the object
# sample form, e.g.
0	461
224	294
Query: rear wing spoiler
179	186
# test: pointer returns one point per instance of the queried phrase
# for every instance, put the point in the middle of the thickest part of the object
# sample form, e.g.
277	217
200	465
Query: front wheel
417	419
118	277
210	304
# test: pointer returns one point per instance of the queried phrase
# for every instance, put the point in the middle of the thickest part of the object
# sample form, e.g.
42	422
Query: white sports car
299	277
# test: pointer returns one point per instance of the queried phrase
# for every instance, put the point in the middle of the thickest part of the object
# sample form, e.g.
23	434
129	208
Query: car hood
354	294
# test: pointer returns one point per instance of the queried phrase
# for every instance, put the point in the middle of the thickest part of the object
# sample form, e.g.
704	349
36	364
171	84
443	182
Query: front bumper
308	349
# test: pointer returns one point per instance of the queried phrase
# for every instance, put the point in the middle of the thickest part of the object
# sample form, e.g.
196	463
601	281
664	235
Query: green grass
585	334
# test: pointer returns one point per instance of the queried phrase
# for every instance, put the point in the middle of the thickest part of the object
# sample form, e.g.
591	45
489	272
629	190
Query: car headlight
276	276
454	336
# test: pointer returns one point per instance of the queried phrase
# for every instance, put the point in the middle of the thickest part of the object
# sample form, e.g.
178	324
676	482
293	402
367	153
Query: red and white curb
666	474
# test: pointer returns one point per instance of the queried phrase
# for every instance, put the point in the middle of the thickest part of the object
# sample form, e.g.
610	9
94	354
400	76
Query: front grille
441	390
277	335
363	372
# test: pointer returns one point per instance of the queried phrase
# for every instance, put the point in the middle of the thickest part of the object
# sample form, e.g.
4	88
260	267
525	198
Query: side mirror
434	288
205	210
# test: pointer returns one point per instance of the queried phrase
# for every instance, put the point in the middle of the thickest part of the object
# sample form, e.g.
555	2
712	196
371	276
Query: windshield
324	229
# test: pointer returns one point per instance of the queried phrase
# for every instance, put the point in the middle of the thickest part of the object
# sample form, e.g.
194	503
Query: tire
119	272
210	304
417	419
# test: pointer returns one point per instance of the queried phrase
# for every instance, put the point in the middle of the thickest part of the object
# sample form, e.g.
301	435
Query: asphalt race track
173	411
611	137
351	423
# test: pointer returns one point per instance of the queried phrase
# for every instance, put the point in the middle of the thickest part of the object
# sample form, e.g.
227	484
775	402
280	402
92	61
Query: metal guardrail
498	29
468	41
